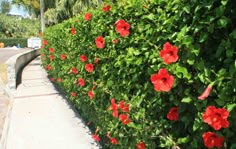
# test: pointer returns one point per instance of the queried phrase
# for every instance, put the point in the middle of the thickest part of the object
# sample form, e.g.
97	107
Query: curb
15	65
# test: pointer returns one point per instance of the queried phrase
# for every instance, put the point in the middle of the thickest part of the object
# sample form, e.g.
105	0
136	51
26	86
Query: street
6	53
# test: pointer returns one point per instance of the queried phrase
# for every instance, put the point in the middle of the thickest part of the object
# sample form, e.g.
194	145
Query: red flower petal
90	94
87	16
122	27
173	114
100	42
106	8
211	140
162	81
216	117
124	119
96	137
89	67
169	53
83	58
206	93
140	145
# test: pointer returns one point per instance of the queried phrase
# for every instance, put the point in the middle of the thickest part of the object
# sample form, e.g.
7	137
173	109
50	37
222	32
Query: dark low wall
22	61
15	66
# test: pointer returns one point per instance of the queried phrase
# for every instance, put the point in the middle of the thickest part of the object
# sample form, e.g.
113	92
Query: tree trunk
42	15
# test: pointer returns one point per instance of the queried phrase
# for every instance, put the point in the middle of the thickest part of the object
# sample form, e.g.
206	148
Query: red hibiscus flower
206	93
124	107
59	80
51	57
122	27
113	140
90	94
89	67
162	81
87	16
83	58
74	70
124	119
52	79
48	67
211	139
115	41
81	82
114	108
45	42
96	137
140	145
173	114
169	53
73	31
63	56
51	50
106	8
73	94
100	42
216	117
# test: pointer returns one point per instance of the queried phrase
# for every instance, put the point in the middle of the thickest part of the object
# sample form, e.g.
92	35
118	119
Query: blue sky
17	10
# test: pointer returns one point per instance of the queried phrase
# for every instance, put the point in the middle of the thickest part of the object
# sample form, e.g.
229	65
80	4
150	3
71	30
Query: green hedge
122	87
14	42
14	27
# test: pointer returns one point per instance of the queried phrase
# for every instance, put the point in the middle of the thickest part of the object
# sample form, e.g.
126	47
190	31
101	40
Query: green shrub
14	42
15	27
204	34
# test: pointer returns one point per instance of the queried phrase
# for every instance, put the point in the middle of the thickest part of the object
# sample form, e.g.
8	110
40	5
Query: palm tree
65	9
34	5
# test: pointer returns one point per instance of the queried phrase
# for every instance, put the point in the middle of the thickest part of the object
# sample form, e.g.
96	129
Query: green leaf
186	9
233	34
203	37
220	102
196	124
224	2
186	100
220	11
190	61
182	70
188	40
233	146
229	53
221	72
151	16
230	107
155	67
183	140
137	126
222	22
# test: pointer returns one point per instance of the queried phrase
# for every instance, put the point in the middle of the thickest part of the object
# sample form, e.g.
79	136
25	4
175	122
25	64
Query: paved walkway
4	102
41	118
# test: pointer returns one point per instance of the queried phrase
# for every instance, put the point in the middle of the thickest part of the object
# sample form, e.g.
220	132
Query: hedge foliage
16	27
154	74
14	42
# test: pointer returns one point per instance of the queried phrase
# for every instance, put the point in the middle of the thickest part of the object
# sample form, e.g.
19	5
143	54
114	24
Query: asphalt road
6	53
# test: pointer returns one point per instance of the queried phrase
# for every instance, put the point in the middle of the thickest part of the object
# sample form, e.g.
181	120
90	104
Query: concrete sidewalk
41	118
